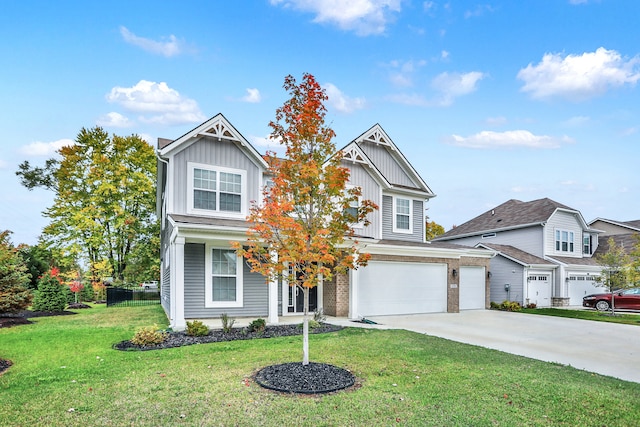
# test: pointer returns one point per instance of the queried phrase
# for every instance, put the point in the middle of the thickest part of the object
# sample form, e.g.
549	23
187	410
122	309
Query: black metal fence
121	297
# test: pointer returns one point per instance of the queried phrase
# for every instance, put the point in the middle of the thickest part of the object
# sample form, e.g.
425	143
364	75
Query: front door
296	299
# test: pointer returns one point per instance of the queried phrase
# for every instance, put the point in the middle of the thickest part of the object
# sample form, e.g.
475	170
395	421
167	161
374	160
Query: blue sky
490	101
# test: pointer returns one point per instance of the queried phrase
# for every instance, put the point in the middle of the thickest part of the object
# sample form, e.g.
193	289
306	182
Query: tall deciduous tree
104	205
615	265
14	278
303	230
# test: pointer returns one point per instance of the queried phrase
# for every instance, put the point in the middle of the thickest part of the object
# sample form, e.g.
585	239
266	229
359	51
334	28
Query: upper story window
564	241
402	218
214	189
352	210
586	244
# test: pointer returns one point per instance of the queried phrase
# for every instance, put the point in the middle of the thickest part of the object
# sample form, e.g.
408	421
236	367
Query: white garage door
387	288
579	286
472	288
539	290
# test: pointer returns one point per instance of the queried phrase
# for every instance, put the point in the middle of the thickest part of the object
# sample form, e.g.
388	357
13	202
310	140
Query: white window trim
206	212
359	224
570	241
208	282
394	214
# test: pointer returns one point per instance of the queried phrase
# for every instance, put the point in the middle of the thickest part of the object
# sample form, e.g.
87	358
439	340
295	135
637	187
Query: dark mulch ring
4	365
179	339
314	378
14	319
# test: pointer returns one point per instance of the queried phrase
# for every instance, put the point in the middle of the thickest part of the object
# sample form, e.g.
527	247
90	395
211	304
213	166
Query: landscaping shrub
319	315
50	295
149	335
227	322
197	329
531	305
506	306
257	325
14	295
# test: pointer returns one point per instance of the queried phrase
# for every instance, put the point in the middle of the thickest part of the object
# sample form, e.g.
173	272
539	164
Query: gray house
207	179
545	252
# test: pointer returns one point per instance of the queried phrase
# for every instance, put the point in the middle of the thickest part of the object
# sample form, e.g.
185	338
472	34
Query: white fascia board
423	251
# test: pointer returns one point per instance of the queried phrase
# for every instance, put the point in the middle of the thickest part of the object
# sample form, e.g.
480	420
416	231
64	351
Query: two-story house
545	252
207	179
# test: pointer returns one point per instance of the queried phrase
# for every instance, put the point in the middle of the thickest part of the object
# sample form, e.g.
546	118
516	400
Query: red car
628	299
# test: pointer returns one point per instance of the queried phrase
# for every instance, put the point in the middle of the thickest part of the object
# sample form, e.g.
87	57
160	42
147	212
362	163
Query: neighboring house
207	180
612	228
545	252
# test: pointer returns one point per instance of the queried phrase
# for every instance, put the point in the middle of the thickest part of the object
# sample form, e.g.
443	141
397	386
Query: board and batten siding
359	177
564	221
255	289
387	221
387	165
214	152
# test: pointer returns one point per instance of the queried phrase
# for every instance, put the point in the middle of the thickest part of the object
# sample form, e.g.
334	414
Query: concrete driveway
604	348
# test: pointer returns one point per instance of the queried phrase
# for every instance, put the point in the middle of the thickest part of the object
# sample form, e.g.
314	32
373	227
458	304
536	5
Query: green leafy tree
104	206
634	268
433	230
300	230
51	295
14	278
615	269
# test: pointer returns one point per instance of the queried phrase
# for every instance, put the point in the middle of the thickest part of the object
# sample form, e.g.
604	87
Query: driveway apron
604	348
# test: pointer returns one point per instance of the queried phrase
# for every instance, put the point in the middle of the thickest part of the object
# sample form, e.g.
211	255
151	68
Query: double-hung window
214	190
564	241
224	278
402	222
586	244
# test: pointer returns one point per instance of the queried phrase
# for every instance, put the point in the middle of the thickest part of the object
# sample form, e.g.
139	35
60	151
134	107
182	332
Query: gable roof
377	136
509	215
516	255
631	225
216	127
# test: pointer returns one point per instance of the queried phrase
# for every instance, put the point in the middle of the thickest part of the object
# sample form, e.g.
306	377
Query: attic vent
219	130
354	156
377	137
488	235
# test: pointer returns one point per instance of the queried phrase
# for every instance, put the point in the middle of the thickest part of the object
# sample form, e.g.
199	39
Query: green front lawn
405	378
619	317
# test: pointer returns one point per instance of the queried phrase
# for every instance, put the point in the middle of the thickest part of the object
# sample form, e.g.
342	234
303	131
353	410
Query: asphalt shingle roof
511	213
517	254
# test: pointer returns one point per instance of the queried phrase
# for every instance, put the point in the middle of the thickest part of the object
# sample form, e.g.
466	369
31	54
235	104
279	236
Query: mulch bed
179	339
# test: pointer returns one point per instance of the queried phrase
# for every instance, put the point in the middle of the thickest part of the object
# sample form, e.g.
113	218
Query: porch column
353	294
273	301
178	322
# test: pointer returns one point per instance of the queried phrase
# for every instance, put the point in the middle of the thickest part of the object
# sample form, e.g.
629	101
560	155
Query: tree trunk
305	328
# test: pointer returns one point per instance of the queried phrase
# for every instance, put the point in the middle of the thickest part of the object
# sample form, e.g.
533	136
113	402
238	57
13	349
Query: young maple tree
303	229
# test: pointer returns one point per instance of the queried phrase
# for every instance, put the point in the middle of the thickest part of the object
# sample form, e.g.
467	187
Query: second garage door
388	288
472	288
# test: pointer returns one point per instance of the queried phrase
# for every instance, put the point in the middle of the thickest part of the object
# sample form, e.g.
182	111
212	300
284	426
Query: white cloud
578	1
629	131
42	149
253	96
496	121
513	138
365	17
342	102
579	77
114	119
157	103
454	85
168	47
402	72
3	164
577	121
478	11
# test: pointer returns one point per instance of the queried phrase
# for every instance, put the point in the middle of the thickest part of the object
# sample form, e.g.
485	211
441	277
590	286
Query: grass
627	319
404	378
